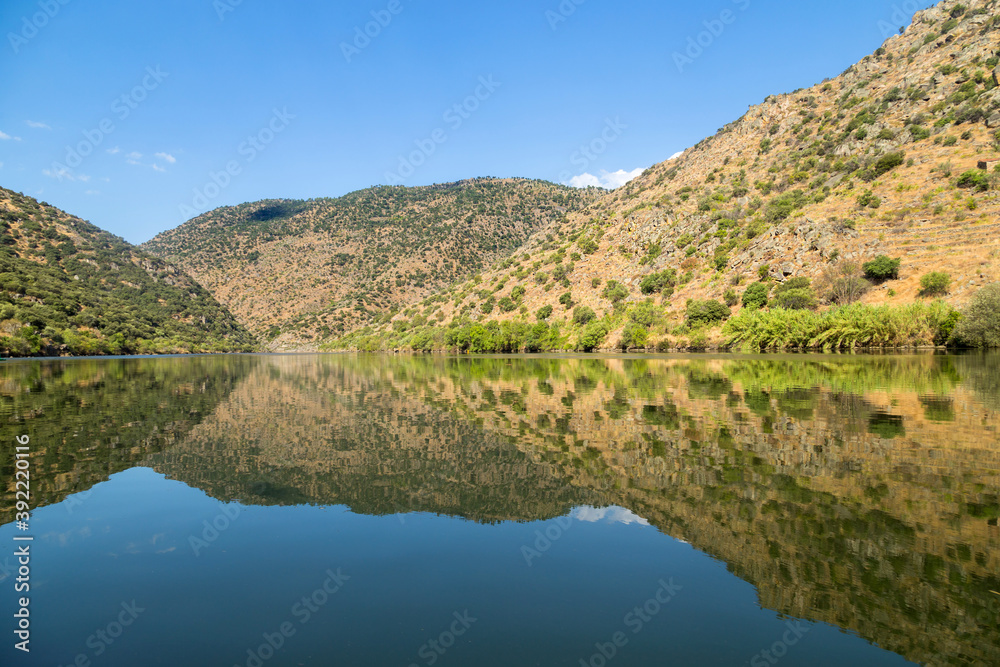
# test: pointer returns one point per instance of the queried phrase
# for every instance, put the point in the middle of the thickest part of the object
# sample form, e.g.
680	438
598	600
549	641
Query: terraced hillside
67	287
297	272
883	159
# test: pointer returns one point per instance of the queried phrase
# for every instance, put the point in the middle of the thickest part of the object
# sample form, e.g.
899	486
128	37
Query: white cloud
36	125
113	151
607	180
83	177
62	173
134	155
92	192
4	137
157	167
608	515
167	157
1	165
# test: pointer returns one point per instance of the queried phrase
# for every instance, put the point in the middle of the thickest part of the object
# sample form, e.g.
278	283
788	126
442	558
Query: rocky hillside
881	160
67	287
296	272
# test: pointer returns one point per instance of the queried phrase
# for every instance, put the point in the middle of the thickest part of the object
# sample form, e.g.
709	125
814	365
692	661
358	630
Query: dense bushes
881	268
795	294
980	323
934	283
706	313
661	282
856	325
755	296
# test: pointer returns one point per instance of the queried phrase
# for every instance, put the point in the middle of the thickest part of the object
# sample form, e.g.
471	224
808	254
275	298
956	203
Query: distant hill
881	160
299	272
67	287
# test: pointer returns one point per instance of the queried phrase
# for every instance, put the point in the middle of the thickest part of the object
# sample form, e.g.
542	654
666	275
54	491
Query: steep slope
297	271
883	159
67	287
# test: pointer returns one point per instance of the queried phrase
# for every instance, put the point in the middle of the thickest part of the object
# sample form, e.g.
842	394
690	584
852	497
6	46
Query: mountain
811	185
67	287
296	272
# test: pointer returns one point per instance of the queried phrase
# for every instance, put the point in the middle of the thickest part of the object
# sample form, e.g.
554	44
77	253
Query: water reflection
857	491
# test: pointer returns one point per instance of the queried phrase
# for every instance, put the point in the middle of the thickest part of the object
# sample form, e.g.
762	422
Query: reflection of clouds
611	514
65	538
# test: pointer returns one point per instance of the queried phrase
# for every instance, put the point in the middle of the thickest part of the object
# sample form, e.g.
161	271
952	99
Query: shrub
661	282
566	300
584	314
869	199
980	323
634	335
755	296
795	294
544	313
592	336
587	245
706	312
934	283
507	305
615	292
730	297
645	313
881	268
518	293
975	179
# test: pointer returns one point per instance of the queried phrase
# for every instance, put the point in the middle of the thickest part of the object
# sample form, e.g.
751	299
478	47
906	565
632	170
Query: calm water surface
334	510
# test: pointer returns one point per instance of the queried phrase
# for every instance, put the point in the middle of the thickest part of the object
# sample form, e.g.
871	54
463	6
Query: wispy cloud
608	180
37	125
167	157
157	167
92	192
4	136
133	157
113	151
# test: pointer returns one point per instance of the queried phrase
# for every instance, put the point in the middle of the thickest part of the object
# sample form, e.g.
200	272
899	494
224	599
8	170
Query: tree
934	283
592	336
706	312
980	323
544	313
755	296
634	335
615	292
584	314
881	268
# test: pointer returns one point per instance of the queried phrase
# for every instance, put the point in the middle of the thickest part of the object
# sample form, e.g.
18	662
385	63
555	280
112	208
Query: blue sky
139	115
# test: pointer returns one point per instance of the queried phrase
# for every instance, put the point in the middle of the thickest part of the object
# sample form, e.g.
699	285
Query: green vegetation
795	294
756	295
584	314
980	323
662	282
67	287
706	313
845	327
934	283
975	179
615	292
881	268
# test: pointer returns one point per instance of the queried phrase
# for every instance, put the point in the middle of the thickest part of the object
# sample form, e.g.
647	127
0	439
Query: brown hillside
295	272
865	164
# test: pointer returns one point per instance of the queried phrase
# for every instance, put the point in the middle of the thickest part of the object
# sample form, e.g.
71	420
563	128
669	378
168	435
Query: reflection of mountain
856	491
302	431
88	419
859	491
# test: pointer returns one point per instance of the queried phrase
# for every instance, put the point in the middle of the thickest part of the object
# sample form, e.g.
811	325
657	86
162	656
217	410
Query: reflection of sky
611	514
